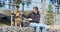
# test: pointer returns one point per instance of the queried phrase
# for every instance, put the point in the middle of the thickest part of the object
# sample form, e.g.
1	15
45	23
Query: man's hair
35	8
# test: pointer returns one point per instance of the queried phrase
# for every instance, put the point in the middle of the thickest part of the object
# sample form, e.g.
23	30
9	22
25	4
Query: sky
30	6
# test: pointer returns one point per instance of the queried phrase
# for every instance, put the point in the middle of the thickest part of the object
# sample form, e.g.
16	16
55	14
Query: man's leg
37	29
33	25
43	27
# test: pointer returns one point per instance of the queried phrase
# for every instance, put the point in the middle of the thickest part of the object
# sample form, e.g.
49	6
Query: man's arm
26	16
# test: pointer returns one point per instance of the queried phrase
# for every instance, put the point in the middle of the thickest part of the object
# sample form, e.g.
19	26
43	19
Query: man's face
34	10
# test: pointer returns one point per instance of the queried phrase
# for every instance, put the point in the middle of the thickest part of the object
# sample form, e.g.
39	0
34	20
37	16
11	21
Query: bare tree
43	6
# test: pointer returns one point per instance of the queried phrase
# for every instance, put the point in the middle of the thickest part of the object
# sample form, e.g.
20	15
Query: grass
3	24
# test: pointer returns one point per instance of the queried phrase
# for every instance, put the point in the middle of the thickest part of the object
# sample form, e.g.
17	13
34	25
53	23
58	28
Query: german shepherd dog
16	18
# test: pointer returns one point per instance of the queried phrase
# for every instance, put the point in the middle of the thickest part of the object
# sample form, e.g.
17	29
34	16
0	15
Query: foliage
58	3
55	1
49	16
28	2
23	2
2	4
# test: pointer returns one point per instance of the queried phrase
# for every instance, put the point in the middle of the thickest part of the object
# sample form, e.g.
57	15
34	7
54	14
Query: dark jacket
35	17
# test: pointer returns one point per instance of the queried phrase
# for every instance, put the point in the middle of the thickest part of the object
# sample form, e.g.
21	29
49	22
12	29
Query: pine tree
49	16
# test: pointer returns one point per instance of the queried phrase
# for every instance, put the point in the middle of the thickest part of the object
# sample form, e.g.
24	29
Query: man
34	20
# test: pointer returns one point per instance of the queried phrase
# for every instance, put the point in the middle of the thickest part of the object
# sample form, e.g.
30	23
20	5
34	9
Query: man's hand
21	12
30	19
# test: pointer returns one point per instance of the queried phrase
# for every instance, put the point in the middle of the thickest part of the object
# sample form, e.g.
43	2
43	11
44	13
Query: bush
49	16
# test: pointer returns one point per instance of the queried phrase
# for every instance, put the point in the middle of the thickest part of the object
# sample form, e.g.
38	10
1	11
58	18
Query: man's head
35	9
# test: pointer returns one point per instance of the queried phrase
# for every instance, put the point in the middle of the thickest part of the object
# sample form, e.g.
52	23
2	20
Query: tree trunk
57	9
22	7
43	6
